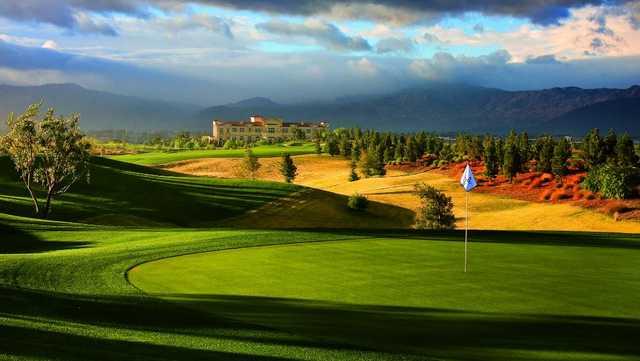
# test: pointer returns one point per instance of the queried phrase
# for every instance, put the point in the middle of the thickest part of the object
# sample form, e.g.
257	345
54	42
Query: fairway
164	157
411	293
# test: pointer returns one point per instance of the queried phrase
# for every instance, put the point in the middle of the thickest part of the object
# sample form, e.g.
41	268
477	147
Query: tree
490	157
353	176
371	163
52	153
561	154
546	146
357	202
626	155
318	146
331	146
524	149
288	169
511	164
593	149
610	143
21	145
436	211
411	150
250	164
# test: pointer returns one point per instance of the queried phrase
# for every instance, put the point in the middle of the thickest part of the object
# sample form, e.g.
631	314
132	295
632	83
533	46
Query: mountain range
437	107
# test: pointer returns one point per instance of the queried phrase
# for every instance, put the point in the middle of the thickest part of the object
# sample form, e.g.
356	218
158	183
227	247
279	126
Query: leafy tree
612	181
344	146
436	211
288	169
250	164
626	155
52	152
511	164
593	149
492	167
561	154
353	176
356	152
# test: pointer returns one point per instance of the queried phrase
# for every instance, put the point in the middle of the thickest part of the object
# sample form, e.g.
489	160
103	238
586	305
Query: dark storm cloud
544	12
323	33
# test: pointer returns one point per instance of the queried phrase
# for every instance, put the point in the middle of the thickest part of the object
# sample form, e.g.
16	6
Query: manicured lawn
156	158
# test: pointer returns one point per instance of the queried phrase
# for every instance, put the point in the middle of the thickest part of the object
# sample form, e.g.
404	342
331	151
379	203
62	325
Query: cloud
207	22
543	59
478	28
431	38
395	45
323	33
84	23
363	67
50	44
543	12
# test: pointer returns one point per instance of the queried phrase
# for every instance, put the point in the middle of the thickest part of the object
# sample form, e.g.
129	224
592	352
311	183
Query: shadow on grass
296	323
15	241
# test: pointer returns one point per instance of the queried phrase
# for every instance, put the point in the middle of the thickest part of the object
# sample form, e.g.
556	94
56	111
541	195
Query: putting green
513	278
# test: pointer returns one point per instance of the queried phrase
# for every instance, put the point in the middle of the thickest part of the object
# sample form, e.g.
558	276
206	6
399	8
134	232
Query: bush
436	211
358	202
613	182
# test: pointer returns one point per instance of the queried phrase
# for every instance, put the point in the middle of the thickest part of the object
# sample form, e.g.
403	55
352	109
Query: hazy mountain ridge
441	107
99	110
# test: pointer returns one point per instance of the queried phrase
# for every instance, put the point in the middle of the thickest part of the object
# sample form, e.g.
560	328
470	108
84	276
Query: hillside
452	108
99	110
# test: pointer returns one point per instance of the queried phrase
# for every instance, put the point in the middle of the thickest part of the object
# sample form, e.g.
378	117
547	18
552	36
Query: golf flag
468	181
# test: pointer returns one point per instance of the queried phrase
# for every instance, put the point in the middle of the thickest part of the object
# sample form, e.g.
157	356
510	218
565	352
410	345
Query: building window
234	130
272	130
308	130
285	130
241	130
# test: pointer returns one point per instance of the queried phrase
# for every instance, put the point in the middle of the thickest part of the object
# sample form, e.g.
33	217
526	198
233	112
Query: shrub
358	202
611	181
436	211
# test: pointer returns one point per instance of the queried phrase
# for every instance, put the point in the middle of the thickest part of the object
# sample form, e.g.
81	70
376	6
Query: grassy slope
125	194
156	158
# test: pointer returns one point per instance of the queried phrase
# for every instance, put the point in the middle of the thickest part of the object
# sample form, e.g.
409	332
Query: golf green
412	294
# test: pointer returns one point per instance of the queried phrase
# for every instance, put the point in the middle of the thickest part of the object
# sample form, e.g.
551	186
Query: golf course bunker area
503	277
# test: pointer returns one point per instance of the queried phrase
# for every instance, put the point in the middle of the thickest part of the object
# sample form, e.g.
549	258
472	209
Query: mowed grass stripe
165	157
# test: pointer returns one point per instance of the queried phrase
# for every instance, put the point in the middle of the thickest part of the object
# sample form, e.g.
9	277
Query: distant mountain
438	107
451	108
100	110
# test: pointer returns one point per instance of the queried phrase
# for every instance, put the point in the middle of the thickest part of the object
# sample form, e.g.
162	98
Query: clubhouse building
261	128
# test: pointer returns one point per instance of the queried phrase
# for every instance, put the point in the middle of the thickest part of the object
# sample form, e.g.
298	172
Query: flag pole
466	228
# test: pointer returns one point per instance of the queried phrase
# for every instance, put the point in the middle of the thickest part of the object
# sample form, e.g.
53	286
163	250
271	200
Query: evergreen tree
490	157
561	154
626	155
345	146
524	149
545	155
411	152
500	150
353	176
398	153
250	164
332	146
436	211
288	169
388	154
318	146
593	149
511	163
609	147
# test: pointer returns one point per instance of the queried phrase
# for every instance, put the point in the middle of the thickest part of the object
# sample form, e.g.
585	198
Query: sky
211	52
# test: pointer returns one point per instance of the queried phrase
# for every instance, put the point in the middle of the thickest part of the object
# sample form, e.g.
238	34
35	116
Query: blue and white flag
468	181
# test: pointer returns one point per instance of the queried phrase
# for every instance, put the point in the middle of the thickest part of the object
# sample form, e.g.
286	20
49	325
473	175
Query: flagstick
466	228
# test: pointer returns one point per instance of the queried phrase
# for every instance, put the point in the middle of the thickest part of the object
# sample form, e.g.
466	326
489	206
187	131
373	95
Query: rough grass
486	211
164	157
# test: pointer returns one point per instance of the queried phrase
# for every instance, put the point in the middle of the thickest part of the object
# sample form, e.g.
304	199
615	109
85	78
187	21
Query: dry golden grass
486	211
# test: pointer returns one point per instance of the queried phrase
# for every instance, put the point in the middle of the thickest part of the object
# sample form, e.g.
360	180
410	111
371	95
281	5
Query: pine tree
288	169
524	149
545	155
332	146
411	152
318	146
353	176
490	157
609	147
626	155
250	164
398	154
593	149
511	163
561	154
